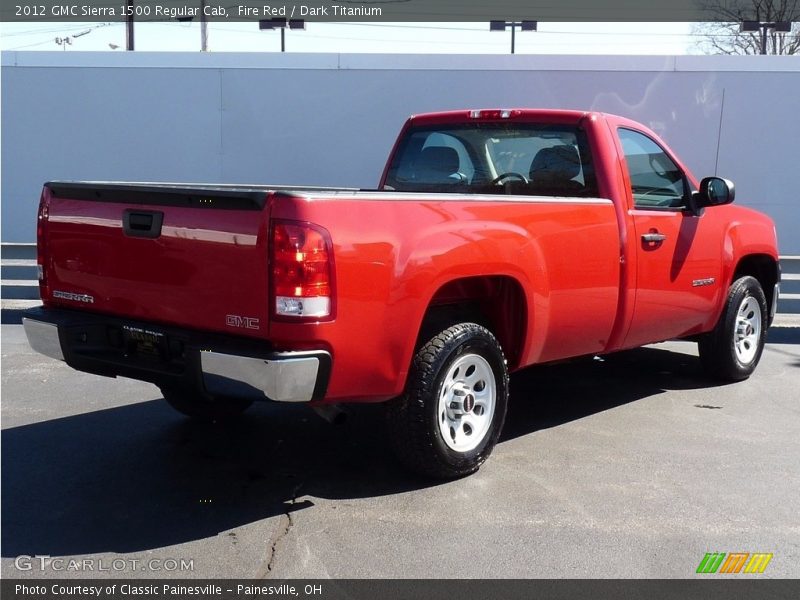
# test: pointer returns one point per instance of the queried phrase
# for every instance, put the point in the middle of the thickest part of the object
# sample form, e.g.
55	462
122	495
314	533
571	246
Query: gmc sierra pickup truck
497	239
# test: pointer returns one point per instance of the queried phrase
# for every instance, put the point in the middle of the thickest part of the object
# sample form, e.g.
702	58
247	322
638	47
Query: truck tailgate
183	255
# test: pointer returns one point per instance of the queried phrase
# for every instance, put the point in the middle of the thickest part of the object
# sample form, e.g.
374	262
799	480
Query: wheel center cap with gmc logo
469	403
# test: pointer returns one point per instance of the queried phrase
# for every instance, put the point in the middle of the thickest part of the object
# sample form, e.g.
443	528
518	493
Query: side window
656	181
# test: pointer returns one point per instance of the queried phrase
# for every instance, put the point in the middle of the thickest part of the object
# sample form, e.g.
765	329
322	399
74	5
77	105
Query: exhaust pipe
332	413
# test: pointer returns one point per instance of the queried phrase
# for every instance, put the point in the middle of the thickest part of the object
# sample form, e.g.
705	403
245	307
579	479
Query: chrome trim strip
43	338
393	196
283	380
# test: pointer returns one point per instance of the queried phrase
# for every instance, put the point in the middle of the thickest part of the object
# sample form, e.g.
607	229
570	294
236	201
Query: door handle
653	238
143	224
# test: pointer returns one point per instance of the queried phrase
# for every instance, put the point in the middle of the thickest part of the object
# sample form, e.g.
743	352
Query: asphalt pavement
631	466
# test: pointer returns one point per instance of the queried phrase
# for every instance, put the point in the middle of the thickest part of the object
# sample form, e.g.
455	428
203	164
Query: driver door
678	264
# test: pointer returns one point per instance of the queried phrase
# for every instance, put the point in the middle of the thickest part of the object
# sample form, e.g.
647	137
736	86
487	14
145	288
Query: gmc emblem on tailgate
244	322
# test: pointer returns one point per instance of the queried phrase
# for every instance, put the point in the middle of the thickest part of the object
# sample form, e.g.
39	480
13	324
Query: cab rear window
502	158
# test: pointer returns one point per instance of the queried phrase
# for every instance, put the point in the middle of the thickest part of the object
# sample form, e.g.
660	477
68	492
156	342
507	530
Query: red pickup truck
497	239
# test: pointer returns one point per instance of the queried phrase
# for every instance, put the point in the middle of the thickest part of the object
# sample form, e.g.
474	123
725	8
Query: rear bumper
219	365
43	337
283	377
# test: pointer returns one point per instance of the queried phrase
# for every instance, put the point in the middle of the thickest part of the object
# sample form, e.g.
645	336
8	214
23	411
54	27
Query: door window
656	181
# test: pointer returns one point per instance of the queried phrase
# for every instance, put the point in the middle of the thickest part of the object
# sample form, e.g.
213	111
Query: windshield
503	158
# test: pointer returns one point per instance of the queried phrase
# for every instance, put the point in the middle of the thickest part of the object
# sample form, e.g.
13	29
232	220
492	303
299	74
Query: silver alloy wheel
466	403
747	330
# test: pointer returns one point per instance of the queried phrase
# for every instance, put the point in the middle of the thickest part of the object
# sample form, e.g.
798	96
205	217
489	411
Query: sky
422	38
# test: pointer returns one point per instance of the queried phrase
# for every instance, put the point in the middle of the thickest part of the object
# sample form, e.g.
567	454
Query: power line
65	33
544	38
539	32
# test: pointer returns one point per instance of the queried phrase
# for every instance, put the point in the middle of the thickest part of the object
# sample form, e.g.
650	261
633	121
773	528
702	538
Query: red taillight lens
41	248
301	260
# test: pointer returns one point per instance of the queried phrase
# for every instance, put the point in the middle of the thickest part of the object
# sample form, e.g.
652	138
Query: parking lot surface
630	466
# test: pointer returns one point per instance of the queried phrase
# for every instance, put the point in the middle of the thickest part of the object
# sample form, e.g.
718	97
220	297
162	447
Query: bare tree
724	35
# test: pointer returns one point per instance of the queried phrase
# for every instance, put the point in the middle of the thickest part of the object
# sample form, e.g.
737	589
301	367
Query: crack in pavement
287	522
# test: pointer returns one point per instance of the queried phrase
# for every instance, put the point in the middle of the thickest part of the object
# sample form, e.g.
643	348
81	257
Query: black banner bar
376	10
711	588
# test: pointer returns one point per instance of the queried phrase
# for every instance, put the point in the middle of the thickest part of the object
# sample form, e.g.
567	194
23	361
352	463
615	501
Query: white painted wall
327	119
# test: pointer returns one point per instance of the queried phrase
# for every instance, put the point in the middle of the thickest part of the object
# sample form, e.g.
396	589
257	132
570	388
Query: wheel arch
765	269
497	302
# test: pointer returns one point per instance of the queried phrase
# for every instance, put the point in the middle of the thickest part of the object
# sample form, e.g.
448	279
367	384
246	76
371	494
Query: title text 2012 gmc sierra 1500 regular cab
498	239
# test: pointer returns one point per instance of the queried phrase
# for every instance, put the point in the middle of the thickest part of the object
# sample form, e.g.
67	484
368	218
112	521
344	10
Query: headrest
560	163
440	159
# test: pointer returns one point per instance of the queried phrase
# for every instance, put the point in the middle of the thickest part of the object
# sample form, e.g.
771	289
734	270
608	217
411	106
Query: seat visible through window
438	164
553	171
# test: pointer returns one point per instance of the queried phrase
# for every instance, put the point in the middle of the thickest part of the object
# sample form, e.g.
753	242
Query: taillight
41	247
302	271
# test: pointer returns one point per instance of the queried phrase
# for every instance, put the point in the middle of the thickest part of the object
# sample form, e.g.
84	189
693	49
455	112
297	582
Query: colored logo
736	562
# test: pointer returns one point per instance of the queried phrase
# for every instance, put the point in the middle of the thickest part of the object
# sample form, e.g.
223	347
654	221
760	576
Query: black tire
414	418
718	348
203	407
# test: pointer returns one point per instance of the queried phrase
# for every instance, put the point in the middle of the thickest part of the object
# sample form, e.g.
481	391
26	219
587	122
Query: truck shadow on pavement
555	394
139	477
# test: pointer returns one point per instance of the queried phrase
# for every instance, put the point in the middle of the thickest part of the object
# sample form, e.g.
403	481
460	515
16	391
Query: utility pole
523	25
203	27
129	26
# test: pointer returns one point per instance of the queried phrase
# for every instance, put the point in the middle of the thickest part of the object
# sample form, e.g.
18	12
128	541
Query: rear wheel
450	417
732	350
198	405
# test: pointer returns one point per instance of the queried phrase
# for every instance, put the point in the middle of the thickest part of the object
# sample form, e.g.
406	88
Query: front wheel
203	407
732	350
449	419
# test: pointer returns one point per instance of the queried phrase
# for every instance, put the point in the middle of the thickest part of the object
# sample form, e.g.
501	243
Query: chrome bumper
290	377
43	337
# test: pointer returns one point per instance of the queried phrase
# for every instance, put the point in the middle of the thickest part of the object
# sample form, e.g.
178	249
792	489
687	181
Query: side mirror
714	191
